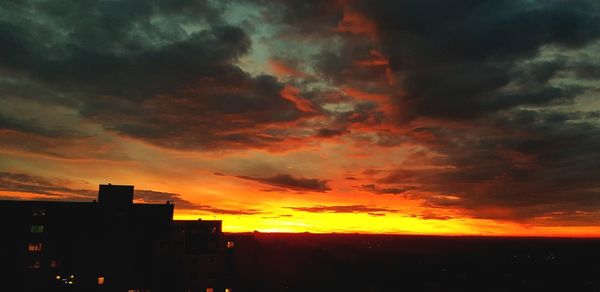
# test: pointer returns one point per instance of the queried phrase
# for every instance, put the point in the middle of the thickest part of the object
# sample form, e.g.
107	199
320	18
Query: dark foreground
333	262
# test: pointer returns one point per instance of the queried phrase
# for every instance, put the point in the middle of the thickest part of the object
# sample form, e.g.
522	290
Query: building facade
111	244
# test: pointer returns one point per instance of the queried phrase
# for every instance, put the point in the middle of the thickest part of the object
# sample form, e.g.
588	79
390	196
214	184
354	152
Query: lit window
38	212
37	229
210	290
35	246
230	244
227	289
35	265
57	277
100	280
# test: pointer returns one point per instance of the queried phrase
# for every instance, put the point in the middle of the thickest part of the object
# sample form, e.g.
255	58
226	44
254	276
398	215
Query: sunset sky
399	116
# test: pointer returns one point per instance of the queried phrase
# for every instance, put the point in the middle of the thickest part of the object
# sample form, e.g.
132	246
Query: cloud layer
474	110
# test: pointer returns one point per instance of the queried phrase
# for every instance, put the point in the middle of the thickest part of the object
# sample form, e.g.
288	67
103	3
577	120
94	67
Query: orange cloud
291	93
282	70
356	23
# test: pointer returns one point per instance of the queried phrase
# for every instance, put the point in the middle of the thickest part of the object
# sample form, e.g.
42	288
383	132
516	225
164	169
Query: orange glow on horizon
262	208
390	224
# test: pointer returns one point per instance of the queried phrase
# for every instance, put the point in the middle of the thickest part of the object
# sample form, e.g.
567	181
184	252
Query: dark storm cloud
307	17
373	211
363	114
328	133
587	70
159	71
523	165
116	47
144	72
292	183
220	113
154	197
165	72
431	216
341	66
372	188
456	57
56	189
478	62
34	127
19	182
214	210
457	60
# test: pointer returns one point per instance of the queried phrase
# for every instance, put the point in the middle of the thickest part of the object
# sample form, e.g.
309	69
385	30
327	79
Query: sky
401	116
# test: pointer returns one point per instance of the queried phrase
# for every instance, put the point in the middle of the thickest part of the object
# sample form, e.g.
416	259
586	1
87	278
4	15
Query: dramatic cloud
292	183
159	72
372	188
431	216
54	189
50	188
543	165
463	59
154	197
482	111
373	211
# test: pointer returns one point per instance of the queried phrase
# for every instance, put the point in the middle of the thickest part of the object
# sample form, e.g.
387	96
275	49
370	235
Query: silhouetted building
108	245
241	258
195	251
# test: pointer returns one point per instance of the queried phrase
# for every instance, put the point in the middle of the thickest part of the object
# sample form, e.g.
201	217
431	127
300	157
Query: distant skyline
410	116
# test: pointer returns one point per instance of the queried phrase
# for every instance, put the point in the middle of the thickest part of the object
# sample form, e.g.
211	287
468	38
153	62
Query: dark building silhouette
109	245
193	257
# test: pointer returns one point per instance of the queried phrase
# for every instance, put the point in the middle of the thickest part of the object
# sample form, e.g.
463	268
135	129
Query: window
38	212
35	265
35	246
53	264
210	290
227	289
100	280
230	244
37	229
